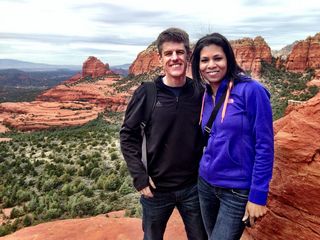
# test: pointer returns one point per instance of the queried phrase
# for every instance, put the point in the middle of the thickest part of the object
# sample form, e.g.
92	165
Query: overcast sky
115	31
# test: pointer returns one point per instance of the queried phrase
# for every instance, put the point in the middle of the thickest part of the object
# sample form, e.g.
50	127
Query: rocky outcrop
93	67
305	54
294	211
114	227
99	91
37	115
146	61
250	52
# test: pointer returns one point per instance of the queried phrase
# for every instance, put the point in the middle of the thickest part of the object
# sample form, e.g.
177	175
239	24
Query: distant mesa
93	67
74	102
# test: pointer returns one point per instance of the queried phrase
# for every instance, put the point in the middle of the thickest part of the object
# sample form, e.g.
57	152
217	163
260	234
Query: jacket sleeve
260	115
131	139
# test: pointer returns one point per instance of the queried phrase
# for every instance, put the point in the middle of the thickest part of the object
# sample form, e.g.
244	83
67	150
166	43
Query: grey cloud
61	39
125	16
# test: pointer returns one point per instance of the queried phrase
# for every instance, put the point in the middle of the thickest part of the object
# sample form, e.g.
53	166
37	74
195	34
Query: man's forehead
167	46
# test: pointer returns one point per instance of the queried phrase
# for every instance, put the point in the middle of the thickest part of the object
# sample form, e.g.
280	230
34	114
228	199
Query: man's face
174	59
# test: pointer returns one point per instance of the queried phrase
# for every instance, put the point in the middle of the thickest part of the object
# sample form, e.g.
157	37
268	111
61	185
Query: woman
236	166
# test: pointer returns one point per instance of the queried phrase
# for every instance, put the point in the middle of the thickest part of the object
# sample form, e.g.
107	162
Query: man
173	142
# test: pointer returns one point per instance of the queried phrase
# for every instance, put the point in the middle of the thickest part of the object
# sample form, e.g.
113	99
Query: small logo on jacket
158	104
230	100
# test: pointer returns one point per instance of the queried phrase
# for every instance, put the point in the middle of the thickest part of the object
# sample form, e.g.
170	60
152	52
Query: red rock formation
93	67
74	102
115	227
146	61
294	210
27	116
305	54
250	52
99	92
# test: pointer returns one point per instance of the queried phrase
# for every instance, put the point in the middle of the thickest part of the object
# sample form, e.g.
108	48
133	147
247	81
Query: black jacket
173	134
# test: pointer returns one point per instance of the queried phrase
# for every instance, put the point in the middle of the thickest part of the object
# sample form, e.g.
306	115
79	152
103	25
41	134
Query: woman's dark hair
233	69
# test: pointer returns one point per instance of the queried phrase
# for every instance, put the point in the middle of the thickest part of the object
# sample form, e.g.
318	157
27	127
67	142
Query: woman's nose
212	64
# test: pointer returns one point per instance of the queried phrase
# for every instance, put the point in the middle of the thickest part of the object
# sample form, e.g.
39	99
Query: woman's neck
214	88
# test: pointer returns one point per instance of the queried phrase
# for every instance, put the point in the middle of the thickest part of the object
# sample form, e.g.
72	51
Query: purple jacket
240	149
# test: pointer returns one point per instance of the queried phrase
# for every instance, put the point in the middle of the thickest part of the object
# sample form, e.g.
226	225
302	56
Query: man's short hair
173	35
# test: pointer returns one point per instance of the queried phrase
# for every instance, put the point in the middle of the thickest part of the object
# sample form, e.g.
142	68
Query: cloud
70	31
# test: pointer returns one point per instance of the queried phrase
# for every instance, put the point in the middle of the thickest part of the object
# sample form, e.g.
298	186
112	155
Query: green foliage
28	220
63	173
126	83
16	212
285	86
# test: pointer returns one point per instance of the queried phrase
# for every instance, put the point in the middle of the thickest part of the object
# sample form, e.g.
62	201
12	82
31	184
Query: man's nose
174	56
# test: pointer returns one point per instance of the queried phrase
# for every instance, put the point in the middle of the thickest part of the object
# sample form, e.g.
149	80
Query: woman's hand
254	211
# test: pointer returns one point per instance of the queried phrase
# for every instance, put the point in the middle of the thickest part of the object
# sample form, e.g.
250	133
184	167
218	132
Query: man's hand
254	211
146	192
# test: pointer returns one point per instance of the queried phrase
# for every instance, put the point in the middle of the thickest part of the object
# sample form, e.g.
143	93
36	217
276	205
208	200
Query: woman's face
213	64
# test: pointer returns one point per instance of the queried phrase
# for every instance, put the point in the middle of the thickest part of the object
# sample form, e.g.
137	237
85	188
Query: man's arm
131	139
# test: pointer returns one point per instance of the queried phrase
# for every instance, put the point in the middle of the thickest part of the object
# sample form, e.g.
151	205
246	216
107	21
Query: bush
95	173
16	212
82	206
114	156
112	182
23	196
28	220
52	213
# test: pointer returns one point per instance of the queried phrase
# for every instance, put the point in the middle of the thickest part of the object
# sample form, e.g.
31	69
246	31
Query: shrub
112	182
28	220
16	212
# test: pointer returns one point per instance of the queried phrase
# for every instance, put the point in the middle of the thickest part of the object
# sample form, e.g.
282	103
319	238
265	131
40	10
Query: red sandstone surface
114	227
37	115
146	61
99	92
294	210
305	54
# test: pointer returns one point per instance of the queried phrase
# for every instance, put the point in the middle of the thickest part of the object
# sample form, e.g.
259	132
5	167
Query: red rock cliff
250	52
305	54
294	210
146	61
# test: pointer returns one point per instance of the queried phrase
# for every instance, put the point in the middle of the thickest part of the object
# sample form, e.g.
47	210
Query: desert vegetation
64	173
131	80
284	86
